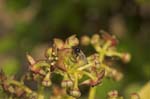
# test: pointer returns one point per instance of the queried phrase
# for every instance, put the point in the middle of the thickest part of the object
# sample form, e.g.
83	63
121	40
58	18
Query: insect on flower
79	55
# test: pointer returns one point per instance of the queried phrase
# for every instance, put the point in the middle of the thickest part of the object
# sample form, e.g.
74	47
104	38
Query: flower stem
40	92
85	66
10	97
70	97
28	90
92	93
89	75
76	81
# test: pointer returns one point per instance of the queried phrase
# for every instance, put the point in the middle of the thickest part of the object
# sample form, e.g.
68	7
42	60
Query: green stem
28	90
42	64
85	66
76	81
22	79
70	97
40	92
89	75
92	93
11	97
113	53
106	45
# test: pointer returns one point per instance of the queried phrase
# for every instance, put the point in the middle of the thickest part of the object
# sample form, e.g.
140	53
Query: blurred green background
30	25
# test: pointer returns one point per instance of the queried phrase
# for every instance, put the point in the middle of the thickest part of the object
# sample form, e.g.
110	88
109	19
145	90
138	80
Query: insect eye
77	50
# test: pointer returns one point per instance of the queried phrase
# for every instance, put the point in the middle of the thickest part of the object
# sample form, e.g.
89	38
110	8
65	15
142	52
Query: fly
79	55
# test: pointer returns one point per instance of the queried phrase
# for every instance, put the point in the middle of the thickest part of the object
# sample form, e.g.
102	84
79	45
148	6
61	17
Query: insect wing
82	57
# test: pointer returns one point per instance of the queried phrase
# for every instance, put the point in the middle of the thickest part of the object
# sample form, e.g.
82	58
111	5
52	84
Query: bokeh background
30	26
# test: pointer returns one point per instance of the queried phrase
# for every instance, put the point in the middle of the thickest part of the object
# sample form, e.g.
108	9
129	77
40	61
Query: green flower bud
46	81
71	41
75	93
66	83
58	43
48	52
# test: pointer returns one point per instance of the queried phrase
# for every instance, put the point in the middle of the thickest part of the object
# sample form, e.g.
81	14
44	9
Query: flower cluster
16	88
68	60
114	95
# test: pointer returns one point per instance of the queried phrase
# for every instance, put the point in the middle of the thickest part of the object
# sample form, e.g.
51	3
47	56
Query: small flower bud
135	96
48	52
75	93
30	59
53	63
66	83
85	40
113	94
106	36
56	58
58	43
46	81
95	39
126	57
54	53
72	41
11	89
117	76
32	95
